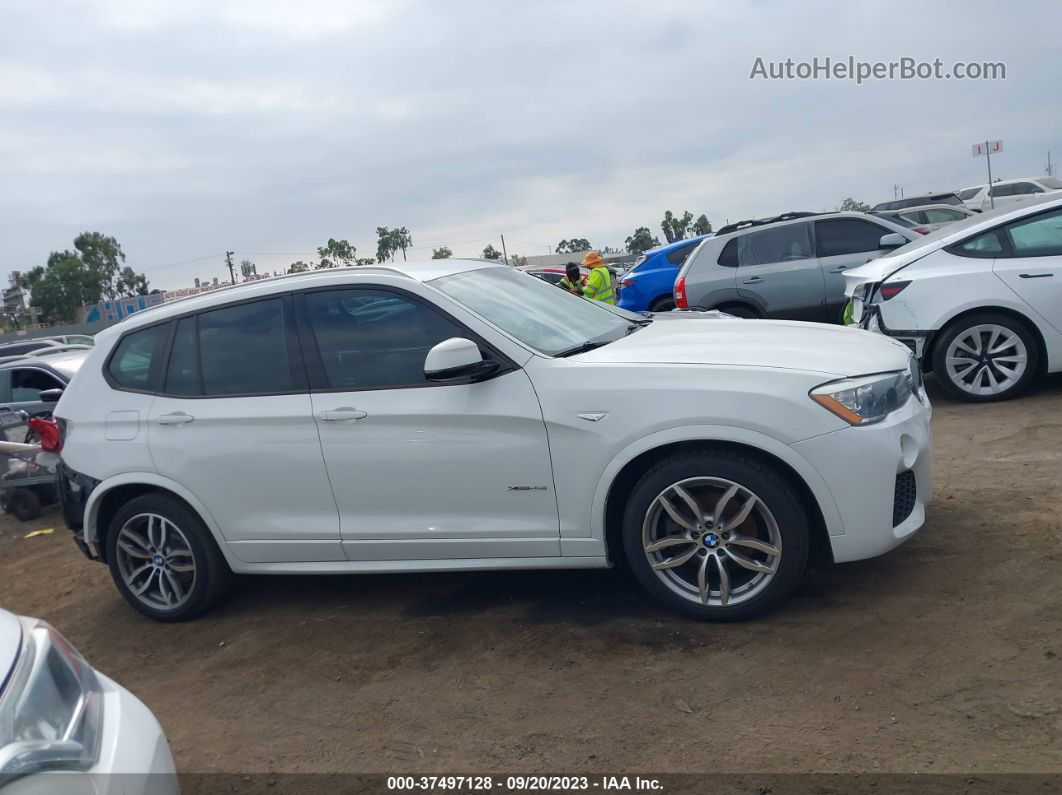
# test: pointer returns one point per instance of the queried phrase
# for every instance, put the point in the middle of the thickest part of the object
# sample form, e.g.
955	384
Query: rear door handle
175	418
1034	275
838	269
753	280
342	414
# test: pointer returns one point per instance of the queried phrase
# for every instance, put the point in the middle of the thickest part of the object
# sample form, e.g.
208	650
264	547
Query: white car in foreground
456	414
980	301
66	728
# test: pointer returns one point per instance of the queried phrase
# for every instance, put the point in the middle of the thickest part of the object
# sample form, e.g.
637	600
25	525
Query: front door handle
753	280
1034	275
175	418
342	414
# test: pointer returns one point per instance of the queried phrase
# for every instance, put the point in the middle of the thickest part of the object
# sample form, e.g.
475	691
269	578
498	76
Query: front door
1034	269
844	243
234	425
779	271
421	470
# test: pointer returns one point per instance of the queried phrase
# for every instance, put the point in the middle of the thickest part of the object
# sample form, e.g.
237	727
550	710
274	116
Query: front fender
90	531
717	433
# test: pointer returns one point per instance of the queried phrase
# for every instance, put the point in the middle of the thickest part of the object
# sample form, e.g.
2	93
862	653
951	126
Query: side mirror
457	358
892	240
51	395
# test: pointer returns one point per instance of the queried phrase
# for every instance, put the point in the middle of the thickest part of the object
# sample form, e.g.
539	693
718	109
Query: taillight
627	283
680	293
892	290
48	432
922	230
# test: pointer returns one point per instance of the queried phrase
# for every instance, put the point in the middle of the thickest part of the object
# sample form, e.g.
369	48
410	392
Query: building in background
16	314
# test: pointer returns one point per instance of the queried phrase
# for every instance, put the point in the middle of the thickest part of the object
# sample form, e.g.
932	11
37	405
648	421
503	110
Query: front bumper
872	320
134	759
866	469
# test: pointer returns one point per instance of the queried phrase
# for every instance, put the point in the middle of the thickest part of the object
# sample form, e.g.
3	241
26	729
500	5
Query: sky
189	128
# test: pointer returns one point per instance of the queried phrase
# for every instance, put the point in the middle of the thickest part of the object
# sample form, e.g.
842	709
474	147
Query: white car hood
10	643
789	345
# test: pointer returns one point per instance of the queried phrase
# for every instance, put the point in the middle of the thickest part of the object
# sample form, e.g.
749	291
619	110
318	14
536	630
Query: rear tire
985	357
663	304
739	310
728	568
164	560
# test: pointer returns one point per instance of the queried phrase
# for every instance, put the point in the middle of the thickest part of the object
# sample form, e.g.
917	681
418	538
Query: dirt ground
943	656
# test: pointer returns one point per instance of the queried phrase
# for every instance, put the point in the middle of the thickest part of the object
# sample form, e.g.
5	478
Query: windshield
540	315
969	193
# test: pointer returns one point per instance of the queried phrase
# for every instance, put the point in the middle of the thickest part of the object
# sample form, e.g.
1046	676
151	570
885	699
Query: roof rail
789	216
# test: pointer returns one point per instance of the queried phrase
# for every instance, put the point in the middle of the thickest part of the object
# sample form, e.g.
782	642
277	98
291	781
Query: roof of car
66	363
678	243
422	271
957	207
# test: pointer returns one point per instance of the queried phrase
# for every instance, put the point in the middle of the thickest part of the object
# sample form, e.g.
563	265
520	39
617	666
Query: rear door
233	424
778	269
843	243
1033	266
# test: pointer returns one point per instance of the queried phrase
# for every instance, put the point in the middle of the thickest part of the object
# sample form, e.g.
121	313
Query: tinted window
1037	237
1024	188
28	384
374	338
985	245
136	360
678	256
243	349
942	216
728	257
847	236
969	193
786	243
182	374
1002	190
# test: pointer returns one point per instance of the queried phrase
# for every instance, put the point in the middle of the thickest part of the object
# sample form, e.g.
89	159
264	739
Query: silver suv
790	266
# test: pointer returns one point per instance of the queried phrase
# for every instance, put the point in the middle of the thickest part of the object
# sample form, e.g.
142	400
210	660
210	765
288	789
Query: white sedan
66	728
456	415
979	301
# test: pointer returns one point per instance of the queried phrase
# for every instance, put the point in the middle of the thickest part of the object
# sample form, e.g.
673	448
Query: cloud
190	127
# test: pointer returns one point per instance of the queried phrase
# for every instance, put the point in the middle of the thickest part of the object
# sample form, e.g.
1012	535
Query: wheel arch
1014	314
810	487
110	495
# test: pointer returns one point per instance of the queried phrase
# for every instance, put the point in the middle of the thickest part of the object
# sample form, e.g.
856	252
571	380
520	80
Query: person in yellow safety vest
573	280
599	284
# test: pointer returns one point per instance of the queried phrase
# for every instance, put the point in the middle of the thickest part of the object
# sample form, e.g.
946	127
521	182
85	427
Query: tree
385	244
676	228
298	267
641	240
442	252
851	204
364	261
336	254
491	253
401	240
517	261
573	245
131	283
702	226
103	256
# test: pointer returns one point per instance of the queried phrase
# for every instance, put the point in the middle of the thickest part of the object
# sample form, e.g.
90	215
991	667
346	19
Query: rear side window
243	349
137	360
786	243
942	216
728	257
1003	190
848	236
678	256
27	385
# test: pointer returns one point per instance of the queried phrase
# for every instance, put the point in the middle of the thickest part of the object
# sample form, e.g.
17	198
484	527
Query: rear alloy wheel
985	357
164	559
664	304
716	536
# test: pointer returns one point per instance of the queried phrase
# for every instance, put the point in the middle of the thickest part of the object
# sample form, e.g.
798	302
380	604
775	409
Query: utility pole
228	261
504	254
988	159
1050	173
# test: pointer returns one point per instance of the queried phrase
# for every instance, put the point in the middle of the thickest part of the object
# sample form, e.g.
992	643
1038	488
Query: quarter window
1037	237
986	245
847	236
728	257
373	339
678	256
136	360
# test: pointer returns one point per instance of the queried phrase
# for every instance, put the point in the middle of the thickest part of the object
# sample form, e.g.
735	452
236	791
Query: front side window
847	236
1037	237
27	385
786	243
373	339
136	360
542	317
243	349
998	191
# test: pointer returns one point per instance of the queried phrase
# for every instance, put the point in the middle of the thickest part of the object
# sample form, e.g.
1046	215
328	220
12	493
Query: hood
10	643
782	344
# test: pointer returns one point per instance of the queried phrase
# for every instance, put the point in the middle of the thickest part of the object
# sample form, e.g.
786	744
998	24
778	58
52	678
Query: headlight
866	399
51	708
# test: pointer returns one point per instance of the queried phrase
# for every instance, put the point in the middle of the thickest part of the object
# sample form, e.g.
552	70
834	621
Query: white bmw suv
980	301
458	415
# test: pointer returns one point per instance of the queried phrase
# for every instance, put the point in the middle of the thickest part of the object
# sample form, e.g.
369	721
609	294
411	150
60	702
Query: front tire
164	560
716	536
985	357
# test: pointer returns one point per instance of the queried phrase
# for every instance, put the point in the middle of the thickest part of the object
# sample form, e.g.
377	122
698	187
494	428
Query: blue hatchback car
646	287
